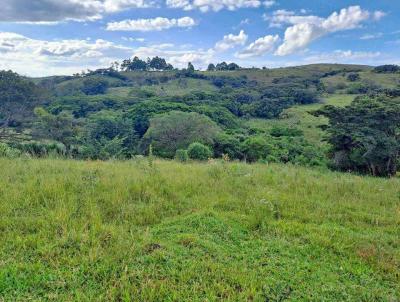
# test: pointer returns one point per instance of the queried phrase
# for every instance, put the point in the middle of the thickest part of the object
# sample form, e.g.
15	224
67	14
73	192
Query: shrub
7	151
387	69
181	155
93	86
199	151
256	148
352	77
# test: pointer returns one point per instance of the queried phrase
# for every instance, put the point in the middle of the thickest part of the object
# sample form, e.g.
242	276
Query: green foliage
18	98
387	69
224	66
181	155
198	151
177	130
227	144
94	85
278	131
269	105
134	64
352	77
42	149
8	152
256	148
190	67
61	127
211	67
365	135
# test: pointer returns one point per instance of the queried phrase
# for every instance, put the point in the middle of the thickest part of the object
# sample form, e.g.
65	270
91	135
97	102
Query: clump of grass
221	231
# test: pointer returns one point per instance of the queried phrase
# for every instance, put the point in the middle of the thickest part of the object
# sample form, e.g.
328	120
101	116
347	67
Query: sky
55	37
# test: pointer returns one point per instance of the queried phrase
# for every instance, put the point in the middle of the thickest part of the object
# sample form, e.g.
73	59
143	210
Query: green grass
384	80
299	117
121	231
177	87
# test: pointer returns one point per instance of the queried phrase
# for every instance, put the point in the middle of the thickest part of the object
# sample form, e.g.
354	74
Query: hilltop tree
157	63
233	66
211	67
190	67
137	64
222	66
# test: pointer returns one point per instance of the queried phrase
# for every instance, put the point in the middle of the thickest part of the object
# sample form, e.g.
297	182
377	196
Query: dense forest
139	107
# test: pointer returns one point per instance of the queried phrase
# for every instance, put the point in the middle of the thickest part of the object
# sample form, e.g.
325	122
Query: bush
93	86
38	149
199	151
8	152
387	69
181	155
352	77
256	148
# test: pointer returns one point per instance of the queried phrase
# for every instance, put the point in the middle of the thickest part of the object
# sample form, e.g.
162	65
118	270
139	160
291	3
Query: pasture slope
165	231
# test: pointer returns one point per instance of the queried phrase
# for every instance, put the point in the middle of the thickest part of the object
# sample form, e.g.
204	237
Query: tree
255	148
227	144
94	85
137	64
233	66
18	98
222	66
177	130
61	127
181	155
211	67
387	69
199	151
365	136
158	63
190	67
352	77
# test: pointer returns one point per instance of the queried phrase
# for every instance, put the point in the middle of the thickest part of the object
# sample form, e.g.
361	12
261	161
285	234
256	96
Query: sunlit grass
299	117
121	231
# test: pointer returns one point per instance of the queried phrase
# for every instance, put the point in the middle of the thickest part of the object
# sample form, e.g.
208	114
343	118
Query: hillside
266	115
124	231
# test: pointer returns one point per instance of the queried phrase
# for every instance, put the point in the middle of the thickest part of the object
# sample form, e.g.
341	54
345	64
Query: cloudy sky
47	37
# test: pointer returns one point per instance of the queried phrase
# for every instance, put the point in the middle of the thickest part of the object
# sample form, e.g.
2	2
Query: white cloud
371	36
307	29
155	24
281	17
269	3
40	57
130	39
259	47
178	58
215	5
231	41
344	56
378	15
45	11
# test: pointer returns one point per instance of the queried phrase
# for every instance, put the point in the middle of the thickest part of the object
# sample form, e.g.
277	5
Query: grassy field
125	231
299	117
171	88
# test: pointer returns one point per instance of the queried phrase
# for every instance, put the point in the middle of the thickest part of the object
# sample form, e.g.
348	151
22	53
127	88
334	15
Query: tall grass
124	231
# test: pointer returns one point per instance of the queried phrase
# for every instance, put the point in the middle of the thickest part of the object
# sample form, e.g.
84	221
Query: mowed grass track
122	231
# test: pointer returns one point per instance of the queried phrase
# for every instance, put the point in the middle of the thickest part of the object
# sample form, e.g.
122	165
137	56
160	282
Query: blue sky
46	37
